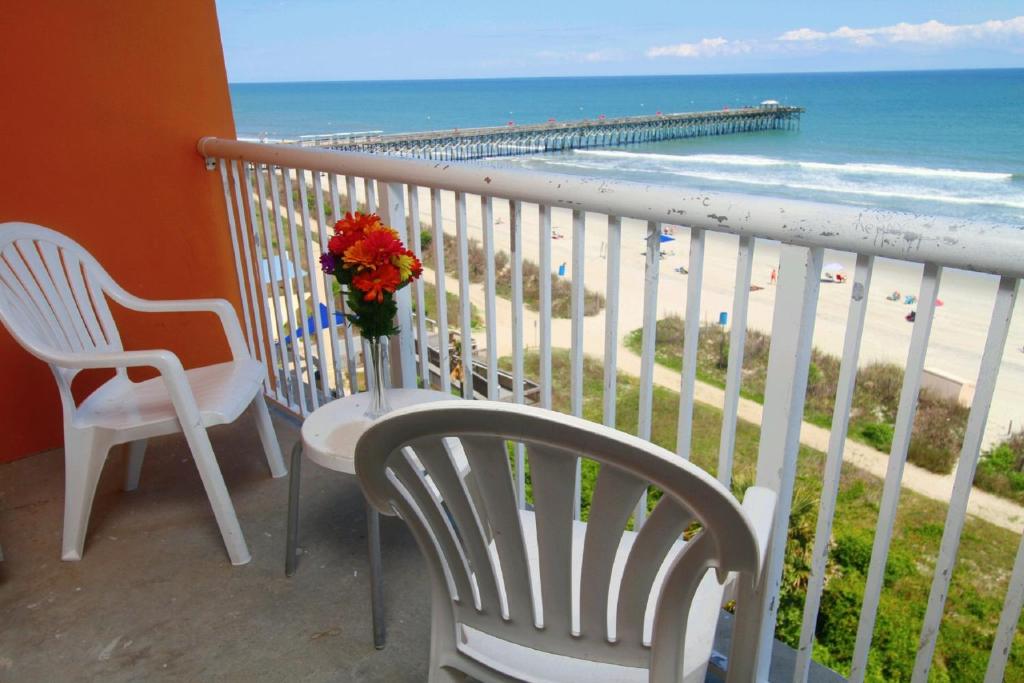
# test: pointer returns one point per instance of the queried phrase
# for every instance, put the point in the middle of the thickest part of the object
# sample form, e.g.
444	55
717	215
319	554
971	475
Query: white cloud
608	55
709	47
935	34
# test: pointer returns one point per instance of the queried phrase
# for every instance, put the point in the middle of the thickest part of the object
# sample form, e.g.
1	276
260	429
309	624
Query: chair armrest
759	504
166	363
224	310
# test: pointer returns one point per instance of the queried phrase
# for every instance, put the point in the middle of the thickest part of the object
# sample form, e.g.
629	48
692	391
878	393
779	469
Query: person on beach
773	276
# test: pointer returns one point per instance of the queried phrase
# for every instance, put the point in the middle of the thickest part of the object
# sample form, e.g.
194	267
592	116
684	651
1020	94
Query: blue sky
324	40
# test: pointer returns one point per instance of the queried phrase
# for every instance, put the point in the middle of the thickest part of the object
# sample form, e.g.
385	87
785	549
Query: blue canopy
667	238
325	322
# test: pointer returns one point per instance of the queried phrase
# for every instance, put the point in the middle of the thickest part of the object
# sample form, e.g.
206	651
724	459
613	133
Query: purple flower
327	263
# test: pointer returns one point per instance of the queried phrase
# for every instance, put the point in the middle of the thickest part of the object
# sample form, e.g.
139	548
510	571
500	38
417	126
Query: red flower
358	221
375	283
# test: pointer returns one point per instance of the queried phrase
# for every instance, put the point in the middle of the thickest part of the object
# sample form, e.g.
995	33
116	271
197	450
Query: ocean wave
761	162
856	190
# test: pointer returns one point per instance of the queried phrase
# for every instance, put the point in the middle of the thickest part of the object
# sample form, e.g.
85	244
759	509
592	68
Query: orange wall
103	105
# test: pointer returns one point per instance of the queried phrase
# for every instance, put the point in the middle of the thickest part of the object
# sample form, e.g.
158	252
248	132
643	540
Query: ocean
929	142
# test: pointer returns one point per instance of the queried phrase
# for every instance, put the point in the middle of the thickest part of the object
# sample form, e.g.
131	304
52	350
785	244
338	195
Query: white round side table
329	437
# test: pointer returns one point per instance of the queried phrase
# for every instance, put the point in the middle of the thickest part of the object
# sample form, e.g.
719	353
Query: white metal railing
321	363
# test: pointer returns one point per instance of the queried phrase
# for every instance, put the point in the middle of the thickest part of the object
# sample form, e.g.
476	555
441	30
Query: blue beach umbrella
667	238
325	322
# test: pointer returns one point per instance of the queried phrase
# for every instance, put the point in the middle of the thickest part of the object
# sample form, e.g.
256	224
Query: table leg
376	587
291	558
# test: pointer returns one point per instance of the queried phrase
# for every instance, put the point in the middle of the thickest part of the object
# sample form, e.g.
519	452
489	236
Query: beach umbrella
833	266
667	238
325	322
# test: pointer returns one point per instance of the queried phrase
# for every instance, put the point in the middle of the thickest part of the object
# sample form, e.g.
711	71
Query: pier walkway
554	136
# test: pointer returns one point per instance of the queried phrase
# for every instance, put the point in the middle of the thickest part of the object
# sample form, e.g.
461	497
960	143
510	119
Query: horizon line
681	75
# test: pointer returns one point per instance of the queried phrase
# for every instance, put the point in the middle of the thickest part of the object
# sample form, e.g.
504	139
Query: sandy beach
958	333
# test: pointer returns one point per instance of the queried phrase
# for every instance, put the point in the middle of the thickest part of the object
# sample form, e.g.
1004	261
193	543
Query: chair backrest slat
430	510
615	495
438	461
657	536
494	479
64	300
554	476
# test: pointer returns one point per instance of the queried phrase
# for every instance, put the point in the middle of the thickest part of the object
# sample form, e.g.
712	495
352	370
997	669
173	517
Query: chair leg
133	469
268	437
217	492
84	455
376	587
291	545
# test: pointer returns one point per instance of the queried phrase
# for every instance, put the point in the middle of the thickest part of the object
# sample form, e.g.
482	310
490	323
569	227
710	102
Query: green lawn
979	580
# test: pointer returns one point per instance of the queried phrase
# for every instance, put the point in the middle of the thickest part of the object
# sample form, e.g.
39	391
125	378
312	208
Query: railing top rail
970	245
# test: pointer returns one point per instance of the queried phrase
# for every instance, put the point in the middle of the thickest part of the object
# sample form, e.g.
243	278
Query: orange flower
376	283
375	249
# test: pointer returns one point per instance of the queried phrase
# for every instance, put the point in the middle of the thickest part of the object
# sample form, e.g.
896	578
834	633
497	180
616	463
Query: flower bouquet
371	264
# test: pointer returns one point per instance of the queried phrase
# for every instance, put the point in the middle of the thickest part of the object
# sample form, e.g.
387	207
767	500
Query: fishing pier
553	136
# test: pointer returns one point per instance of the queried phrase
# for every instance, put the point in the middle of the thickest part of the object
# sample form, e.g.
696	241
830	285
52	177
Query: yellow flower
404	263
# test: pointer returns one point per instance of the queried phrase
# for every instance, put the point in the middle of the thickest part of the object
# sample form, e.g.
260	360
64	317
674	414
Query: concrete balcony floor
154	597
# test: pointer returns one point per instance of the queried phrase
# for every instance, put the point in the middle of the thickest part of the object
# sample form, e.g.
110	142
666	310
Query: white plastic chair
536	596
53	300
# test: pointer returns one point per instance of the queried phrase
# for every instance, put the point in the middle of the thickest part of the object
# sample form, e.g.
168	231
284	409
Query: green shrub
878	435
938	433
1001	468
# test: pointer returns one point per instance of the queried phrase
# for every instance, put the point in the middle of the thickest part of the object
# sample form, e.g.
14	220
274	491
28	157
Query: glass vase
377	373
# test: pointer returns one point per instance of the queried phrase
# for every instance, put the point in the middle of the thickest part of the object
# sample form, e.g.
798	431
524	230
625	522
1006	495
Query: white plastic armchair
53	300
536	596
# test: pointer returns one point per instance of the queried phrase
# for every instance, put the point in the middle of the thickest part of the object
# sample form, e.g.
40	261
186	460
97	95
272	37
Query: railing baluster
251	260
611	320
992	357
328	282
351	194
515	226
286	265
834	462
301	302
280	357
465	305
370	190
421	307
789	358
687	382
1008	620
544	352
894	473
238	257
490	314
350	351
444	361
579	220
737	344
652	267
403	372
243	230
263	248
313	266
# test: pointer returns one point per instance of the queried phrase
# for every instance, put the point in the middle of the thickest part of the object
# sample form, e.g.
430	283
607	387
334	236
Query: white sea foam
850	189
760	161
